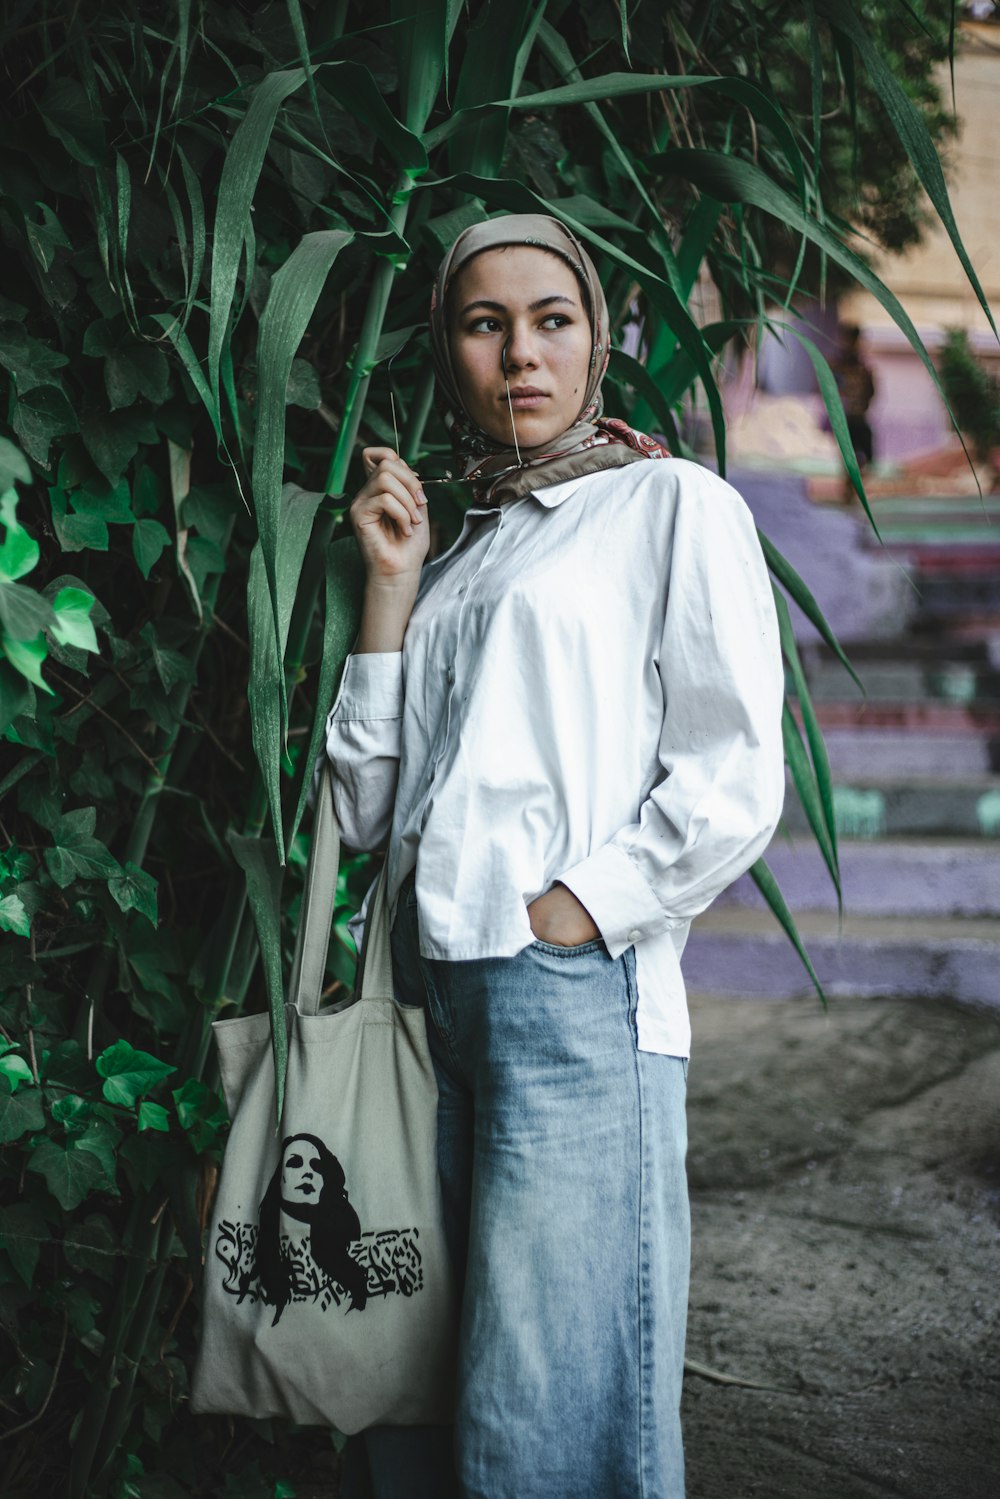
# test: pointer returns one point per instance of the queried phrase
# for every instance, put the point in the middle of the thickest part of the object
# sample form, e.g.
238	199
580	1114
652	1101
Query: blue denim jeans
561	1150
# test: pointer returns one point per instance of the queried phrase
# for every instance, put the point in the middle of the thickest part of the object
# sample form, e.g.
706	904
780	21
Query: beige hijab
593	442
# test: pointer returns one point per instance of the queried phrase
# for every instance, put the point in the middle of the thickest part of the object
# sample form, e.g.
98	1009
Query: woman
567	728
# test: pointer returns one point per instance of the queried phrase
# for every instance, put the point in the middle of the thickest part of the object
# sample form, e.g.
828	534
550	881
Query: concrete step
943	681
860	748
939	806
887	878
744	953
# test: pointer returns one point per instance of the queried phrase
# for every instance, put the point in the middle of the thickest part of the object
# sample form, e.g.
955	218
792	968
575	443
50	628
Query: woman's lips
524	400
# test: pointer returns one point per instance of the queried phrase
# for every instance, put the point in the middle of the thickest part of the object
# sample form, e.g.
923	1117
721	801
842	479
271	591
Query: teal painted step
916	807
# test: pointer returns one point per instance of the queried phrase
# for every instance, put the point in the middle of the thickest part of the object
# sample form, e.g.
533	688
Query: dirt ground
845	1178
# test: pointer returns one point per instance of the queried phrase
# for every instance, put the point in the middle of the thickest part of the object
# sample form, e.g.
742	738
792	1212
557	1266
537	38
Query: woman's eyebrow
481	302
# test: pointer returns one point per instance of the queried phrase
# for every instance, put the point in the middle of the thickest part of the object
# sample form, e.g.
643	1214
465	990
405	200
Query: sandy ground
845	1176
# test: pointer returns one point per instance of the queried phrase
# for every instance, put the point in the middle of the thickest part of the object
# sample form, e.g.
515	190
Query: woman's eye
556	320
485	325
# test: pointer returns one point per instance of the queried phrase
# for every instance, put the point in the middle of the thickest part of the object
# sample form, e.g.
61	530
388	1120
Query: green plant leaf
20	1113
14	468
149	538
13	917
258	859
26	657
71	1174
135	890
153	1116
13	1066
73	626
129	1073
909	125
24	614
19	552
796	589
92	1247
39	416
23	1231
295	289
77	853
202	1114
771	891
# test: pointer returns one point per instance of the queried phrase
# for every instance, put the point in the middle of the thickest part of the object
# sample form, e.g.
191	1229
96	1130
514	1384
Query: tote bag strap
316	921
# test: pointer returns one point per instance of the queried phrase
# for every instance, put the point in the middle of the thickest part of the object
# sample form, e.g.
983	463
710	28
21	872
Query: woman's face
301	1173
530	301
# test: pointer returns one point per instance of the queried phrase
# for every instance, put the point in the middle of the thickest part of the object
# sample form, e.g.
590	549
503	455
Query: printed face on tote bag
308	1244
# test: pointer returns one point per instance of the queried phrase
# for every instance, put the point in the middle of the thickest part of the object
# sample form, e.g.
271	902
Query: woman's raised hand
389	516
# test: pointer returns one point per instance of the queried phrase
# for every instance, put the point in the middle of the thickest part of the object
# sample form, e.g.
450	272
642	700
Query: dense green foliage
219	227
972	392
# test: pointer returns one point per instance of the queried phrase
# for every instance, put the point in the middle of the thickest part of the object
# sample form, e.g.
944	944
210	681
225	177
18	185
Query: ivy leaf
19	1112
23	1230
148	541
153	1116
13	466
24	614
29	360
26	656
19	551
13	1067
73	626
17	696
14	918
41	415
135	890
303	386
77	853
80	533
91	1245
201	1113
129	1073
113	440
171	666
102	1139
71	1174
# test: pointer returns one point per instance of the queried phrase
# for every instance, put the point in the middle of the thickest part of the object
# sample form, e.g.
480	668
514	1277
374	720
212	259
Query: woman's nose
520	351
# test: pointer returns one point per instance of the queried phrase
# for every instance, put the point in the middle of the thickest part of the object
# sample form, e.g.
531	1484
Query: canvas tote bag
327	1292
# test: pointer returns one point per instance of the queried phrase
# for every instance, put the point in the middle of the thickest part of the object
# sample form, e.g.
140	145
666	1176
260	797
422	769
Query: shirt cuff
371	687
618	898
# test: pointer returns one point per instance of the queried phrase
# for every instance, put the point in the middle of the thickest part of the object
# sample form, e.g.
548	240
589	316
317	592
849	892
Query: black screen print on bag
330	1260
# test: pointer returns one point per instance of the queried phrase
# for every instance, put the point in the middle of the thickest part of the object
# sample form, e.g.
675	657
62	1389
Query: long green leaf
240	173
622	366
257	859
268	626
295	289
623	85
492	53
732	180
805	785
771	891
835	411
909	125
814	735
344	595
794	586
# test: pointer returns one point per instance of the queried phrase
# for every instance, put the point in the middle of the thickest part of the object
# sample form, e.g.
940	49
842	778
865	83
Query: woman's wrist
388	604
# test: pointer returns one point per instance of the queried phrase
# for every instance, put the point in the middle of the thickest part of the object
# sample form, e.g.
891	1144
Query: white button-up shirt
589	691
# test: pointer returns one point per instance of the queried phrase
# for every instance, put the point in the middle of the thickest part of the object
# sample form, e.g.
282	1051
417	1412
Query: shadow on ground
845	1176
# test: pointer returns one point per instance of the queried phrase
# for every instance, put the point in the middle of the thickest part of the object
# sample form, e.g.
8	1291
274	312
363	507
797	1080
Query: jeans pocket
596	944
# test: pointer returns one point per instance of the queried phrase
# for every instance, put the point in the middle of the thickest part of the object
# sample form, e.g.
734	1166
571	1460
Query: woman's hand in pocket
559	918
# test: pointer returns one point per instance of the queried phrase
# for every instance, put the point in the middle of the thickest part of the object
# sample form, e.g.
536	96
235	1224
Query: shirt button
634	935
451	674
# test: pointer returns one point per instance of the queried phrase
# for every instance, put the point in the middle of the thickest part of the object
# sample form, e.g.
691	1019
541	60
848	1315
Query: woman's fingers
387	482
372	457
381	461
